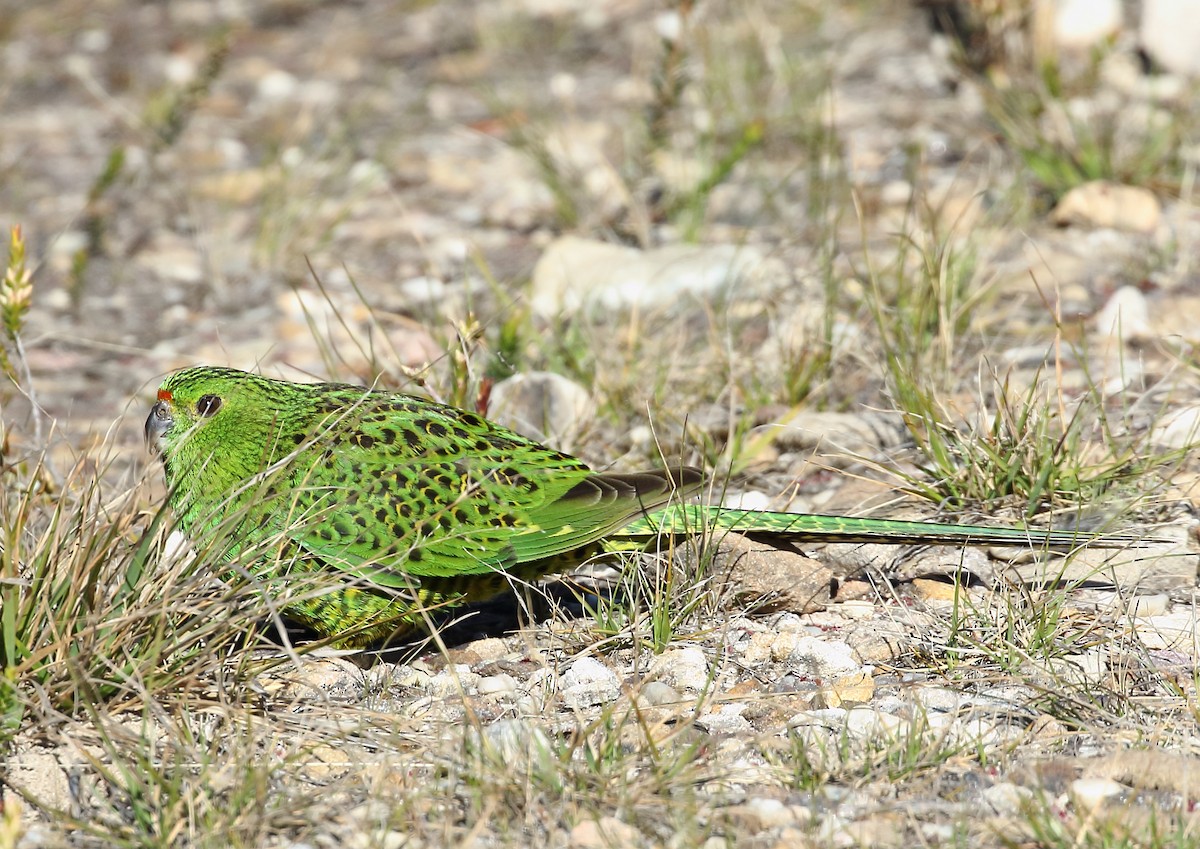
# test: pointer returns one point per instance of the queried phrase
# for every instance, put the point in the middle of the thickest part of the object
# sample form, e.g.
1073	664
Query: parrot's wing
439	510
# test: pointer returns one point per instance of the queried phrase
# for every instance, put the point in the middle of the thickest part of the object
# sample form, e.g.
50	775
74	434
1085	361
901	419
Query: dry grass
144	701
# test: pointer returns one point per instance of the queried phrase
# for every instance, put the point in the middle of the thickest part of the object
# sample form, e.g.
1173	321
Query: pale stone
1085	668
839	438
1006	798
683	669
657	693
760	577
1177	428
1090	793
760	814
542	405
1144	606
277	85
726	719
1151	567
589	682
603	833
1084	24
1170	33
497	685
864	723
574	272
1104	204
40	775
1176	631
1125	317
518	741
846	690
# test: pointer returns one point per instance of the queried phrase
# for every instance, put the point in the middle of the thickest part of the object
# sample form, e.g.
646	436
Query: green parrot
416	505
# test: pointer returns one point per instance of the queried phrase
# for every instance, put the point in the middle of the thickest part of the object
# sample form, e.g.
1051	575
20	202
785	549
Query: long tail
688	519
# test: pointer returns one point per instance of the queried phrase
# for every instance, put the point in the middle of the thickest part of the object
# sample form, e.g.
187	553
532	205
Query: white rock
277	85
864	723
1090	793
1175	631
574	272
177	551
848	435
658	693
770	813
857	609
487	649
321	93
1090	667
668	25
542	405
589	682
1126	316
824	658
684	669
1177	429
518	741
942	699
1170	33
726	719
1153	567
367	173
587	670
177	263
1007	799
40	774
938	833
981	733
603	833
94	40
788	623
1104	204
753	500
497	685
829	718
454	680
1082	24
1144	606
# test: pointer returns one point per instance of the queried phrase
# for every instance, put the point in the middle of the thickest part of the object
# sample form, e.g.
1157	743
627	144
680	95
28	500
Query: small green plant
1031	452
660	594
1029	446
921	303
1019	625
1063	147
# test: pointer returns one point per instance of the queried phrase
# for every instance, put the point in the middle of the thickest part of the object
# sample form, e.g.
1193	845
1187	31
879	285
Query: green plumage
419	504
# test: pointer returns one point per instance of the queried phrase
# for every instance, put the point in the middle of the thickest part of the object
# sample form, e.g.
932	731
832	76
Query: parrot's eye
208	405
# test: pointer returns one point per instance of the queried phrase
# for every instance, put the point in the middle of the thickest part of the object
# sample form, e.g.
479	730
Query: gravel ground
660	217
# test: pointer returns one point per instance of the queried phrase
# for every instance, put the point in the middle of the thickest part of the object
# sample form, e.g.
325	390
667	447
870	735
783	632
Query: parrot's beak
157	423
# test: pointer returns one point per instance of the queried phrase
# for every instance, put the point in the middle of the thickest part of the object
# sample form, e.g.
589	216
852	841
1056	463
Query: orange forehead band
165	395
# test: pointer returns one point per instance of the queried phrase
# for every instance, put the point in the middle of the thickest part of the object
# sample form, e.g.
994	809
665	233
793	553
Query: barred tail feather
687	519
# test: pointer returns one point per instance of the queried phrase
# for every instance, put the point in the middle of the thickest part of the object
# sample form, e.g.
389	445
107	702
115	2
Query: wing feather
400	489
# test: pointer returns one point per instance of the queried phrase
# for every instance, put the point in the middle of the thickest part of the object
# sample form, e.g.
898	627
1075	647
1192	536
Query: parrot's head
207	407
